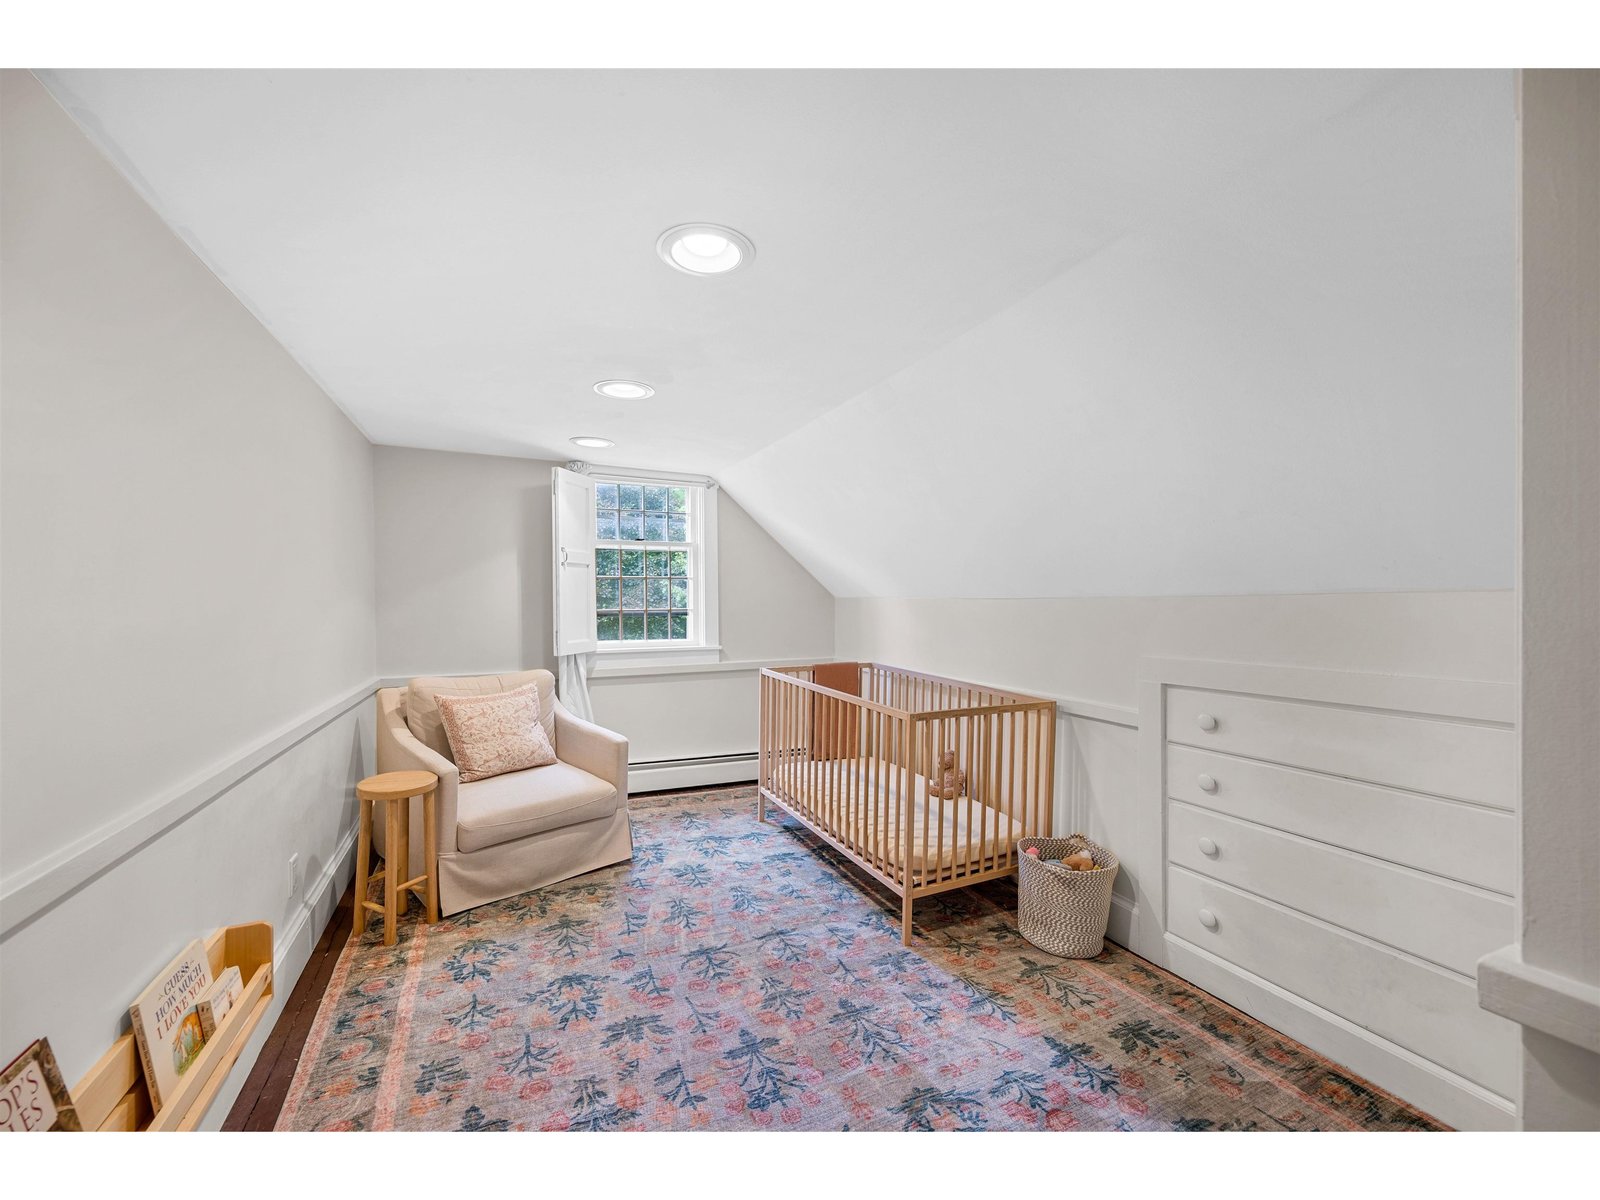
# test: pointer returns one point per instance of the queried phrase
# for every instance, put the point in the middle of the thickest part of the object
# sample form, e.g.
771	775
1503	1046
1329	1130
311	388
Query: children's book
33	1097
221	996
165	1023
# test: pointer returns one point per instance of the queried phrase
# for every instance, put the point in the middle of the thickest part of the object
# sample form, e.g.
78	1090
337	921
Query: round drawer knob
1207	783
1208	847
1206	721
1208	918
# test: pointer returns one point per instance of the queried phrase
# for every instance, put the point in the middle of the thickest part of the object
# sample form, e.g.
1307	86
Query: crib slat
838	766
907	804
869	777
1041	780
877	789
938	759
850	749
860	769
1050	774
986	801
972	787
980	788
1009	762
821	760
907	890
816	767
891	758
922	755
836	751
1022	770
850	736
763	781
858	766
1036	722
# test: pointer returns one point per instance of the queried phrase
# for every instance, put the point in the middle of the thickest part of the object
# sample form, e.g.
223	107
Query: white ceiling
458	255
1013	333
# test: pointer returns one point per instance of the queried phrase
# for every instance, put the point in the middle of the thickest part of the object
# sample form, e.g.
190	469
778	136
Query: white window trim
707	646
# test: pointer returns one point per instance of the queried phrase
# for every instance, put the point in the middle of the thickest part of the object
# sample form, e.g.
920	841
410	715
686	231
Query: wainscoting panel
215	856
1096	767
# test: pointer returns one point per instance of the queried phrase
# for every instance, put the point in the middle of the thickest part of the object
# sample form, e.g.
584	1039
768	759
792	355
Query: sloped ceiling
1304	382
1006	333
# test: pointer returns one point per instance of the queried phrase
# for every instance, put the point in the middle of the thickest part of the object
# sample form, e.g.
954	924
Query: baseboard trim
1122	920
667	774
294	949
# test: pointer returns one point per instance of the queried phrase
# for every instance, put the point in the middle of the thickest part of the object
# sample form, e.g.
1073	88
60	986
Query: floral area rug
737	975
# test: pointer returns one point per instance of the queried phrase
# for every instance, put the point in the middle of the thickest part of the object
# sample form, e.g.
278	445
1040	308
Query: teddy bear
949	782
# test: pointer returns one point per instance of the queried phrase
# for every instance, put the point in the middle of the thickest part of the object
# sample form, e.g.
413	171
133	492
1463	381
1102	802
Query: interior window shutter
572	514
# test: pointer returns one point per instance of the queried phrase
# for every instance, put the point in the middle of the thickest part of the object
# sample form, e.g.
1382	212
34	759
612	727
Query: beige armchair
511	833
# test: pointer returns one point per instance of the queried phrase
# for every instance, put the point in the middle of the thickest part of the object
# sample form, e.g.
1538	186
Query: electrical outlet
294	876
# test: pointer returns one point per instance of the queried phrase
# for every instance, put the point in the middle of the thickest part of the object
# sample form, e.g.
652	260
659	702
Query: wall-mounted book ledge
113	1096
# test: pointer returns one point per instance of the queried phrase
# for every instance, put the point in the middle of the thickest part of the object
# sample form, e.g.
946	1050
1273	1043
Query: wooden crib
843	743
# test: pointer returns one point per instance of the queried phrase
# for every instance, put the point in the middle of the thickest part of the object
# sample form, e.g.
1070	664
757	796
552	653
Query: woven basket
1059	910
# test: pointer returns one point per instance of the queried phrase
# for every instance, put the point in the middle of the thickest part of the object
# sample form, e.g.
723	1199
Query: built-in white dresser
1340	850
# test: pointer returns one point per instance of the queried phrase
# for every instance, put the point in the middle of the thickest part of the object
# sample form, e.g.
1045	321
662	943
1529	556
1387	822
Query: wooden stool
396	788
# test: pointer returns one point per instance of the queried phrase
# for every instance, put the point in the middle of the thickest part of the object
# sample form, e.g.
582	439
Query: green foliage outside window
642	593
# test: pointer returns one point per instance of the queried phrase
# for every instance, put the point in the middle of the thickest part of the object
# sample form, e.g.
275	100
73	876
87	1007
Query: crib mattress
855	819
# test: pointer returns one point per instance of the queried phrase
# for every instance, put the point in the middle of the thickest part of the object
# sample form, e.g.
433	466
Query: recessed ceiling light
592	443
701	249
624	389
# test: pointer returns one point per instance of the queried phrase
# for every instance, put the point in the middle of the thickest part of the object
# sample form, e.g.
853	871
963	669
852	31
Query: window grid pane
620	597
643	590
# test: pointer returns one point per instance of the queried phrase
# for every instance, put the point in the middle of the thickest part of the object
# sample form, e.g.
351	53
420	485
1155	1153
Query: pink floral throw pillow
490	735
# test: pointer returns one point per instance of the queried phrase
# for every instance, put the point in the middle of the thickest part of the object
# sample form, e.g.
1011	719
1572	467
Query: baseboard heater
663	774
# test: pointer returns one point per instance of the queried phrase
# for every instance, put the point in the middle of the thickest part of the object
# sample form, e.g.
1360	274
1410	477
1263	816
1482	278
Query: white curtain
572	684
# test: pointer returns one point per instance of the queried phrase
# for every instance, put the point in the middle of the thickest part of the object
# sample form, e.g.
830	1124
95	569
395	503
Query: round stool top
396	785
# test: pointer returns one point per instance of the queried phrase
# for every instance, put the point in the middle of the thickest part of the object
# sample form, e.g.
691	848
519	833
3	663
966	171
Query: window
652	561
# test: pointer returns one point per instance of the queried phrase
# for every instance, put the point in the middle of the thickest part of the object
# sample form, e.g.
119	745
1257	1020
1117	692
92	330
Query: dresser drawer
1458	841
1441	757
1446	923
1431	1012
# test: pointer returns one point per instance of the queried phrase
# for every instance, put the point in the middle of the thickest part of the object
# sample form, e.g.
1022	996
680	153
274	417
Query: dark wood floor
264	1091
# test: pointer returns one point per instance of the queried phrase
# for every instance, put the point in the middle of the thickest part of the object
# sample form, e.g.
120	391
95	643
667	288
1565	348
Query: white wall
1088	649
1302	383
1085	652
1550	980
463	562
463	586
187	551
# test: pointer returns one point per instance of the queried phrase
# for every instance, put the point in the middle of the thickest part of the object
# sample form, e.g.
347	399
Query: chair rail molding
28	893
1550	1002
